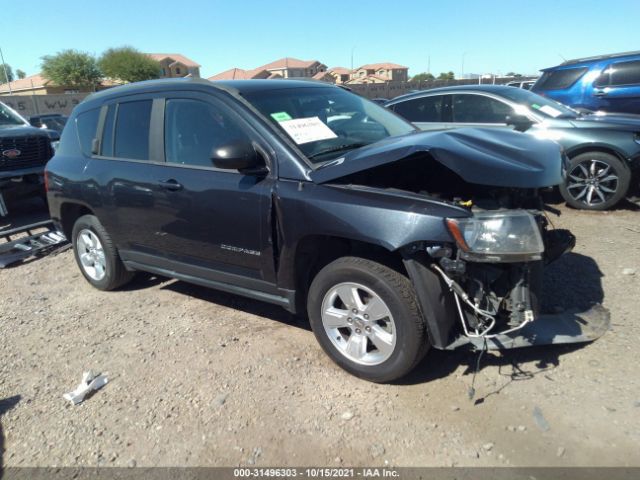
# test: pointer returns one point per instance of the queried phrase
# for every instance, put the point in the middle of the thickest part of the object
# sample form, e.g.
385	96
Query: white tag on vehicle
306	130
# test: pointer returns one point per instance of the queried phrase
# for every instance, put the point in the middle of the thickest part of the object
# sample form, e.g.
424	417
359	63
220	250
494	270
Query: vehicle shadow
516	364
142	281
6	404
628	204
247	305
631	203
571	283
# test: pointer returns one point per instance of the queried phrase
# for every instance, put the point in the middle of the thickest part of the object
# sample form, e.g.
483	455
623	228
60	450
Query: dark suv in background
609	83
310	197
24	151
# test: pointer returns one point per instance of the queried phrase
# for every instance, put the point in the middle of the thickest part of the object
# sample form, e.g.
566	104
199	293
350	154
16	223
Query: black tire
396	291
115	273
576	195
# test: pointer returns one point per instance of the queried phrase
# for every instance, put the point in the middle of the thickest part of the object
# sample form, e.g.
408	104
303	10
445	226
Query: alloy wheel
359	323
91	254
592	182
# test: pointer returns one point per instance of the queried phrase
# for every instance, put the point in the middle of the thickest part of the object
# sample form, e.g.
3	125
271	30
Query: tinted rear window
132	130
87	125
425	109
625	73
468	108
559	79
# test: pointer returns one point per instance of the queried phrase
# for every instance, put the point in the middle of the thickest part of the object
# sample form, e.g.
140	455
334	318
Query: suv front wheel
97	256
366	318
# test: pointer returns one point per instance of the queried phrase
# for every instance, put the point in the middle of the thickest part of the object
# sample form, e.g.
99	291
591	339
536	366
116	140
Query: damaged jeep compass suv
310	197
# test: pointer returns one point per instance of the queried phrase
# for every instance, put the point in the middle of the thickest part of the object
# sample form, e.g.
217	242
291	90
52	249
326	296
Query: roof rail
600	57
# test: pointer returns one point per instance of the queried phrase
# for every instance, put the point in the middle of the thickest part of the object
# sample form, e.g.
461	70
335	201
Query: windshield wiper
338	148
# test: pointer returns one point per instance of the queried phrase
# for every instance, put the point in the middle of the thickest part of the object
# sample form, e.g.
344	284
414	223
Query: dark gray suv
310	197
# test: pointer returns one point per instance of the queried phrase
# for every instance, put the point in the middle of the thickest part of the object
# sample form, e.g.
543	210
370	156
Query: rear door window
132	130
561	79
87	123
468	108
424	109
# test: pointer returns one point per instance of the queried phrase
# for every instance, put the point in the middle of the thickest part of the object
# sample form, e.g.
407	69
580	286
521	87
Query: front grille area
34	152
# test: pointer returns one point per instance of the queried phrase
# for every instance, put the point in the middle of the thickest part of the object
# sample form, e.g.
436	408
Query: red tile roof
340	70
378	66
289	62
26	83
356	80
187	62
240	74
321	75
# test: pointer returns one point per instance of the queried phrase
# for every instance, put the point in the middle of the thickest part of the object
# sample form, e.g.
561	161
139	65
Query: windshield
8	117
327	122
539	104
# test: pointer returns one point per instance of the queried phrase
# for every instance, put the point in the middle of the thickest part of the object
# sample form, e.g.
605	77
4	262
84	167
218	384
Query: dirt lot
199	377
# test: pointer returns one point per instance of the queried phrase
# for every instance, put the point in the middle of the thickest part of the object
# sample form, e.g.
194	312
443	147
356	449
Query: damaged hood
496	157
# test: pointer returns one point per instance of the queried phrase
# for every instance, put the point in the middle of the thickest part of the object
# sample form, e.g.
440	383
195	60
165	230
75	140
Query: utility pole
4	66
352	50
462	65
429	64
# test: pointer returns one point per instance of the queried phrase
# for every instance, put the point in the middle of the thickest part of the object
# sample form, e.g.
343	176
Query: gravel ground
198	377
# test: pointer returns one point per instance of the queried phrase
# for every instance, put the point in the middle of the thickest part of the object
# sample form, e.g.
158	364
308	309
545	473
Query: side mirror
236	155
522	123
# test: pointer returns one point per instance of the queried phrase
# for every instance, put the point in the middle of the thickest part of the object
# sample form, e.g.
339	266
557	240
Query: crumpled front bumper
548	329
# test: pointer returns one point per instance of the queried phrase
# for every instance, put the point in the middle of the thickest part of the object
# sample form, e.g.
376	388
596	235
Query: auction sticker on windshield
306	130
548	109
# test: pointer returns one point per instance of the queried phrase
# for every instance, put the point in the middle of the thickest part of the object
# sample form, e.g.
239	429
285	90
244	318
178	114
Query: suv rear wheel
96	255
366	318
595	181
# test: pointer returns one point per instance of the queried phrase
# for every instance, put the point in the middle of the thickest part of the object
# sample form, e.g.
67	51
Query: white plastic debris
90	382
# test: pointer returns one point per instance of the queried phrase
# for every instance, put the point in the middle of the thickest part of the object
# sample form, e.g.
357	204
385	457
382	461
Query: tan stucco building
175	65
380	73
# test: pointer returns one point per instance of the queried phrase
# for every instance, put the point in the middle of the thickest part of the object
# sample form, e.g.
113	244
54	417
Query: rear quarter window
87	123
625	73
561	79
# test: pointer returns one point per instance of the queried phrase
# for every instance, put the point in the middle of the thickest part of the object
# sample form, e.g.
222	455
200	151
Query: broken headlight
511	236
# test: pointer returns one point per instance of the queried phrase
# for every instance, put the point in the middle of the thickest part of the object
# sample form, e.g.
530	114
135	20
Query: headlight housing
511	236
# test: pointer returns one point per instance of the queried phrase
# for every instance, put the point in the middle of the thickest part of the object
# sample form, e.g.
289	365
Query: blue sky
491	35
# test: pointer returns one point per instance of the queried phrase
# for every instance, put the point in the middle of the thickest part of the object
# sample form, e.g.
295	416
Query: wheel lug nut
366	316
368	329
358	331
349	320
355	310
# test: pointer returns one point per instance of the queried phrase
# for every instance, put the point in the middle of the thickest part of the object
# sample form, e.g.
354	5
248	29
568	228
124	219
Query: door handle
599	93
170	184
